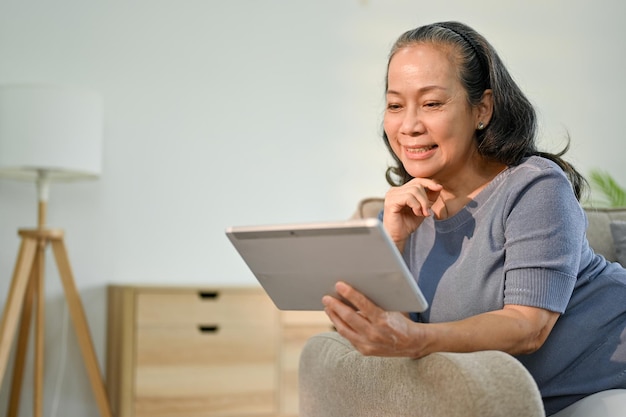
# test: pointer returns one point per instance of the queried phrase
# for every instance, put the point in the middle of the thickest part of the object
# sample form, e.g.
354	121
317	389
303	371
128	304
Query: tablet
297	264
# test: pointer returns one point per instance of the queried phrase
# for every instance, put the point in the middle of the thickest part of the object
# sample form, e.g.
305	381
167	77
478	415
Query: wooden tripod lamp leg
15	300
77	312
40	324
22	347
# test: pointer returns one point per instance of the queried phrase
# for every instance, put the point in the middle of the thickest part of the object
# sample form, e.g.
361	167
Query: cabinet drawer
199	306
224	343
199	391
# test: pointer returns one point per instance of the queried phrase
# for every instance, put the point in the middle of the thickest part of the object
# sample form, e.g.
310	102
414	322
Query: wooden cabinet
176	351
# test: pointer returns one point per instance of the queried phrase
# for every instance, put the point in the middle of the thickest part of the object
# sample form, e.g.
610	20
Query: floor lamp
47	133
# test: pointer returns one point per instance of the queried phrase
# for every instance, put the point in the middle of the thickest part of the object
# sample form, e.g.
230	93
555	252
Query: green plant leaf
613	195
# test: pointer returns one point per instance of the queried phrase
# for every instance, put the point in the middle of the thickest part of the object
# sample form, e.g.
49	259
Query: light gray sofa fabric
618	231
599	230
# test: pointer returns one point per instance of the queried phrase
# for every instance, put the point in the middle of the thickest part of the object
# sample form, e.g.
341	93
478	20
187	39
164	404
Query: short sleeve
544	234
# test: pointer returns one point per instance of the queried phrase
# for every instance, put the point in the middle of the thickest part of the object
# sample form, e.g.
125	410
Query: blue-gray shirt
522	241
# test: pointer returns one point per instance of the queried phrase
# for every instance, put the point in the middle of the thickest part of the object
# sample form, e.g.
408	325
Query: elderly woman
490	227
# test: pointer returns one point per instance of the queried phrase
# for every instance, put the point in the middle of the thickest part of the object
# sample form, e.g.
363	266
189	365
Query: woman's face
428	119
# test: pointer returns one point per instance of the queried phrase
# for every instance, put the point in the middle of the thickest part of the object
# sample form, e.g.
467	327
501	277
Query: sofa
336	380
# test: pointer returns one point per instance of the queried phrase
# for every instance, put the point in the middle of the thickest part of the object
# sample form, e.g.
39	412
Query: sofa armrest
368	207
336	380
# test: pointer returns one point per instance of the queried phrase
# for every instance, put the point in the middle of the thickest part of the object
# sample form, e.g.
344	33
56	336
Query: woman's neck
457	193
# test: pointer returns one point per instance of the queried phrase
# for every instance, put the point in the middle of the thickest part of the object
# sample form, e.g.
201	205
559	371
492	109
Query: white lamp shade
48	129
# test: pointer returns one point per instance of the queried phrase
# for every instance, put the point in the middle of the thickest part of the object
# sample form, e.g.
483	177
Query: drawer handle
211	295
208	328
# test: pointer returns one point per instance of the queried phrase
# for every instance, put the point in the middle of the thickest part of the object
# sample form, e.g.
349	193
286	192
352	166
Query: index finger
358	300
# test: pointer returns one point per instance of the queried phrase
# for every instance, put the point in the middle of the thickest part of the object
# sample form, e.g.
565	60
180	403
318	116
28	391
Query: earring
481	125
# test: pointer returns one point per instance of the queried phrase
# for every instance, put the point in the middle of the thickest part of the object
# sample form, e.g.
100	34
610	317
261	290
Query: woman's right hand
406	207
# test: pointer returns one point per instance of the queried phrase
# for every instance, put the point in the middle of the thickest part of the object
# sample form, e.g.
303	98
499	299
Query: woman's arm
515	329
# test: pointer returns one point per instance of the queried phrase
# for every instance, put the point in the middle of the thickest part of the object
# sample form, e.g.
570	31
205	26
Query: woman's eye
393	106
432	104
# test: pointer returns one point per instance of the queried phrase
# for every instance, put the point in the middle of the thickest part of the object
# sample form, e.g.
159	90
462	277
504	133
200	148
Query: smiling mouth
421	149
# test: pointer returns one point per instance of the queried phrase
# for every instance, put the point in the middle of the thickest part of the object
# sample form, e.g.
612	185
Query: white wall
241	112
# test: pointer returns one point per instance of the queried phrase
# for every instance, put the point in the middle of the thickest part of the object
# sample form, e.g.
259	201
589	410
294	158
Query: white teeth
421	149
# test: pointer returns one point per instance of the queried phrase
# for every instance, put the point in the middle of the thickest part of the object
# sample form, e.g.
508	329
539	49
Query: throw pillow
618	231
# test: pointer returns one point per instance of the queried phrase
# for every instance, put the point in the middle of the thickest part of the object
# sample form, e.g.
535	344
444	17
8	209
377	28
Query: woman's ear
485	108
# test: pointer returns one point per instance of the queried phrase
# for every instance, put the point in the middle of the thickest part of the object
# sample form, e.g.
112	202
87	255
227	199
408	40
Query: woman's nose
411	124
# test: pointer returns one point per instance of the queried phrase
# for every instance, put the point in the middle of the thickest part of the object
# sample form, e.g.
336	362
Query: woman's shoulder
533	168
540	182
539	164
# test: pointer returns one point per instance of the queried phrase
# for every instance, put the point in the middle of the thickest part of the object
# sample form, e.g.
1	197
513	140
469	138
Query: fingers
407	206
371	330
344	318
360	302
418	195
355	311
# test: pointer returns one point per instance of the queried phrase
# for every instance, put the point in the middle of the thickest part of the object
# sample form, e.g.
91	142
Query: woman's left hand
372	330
